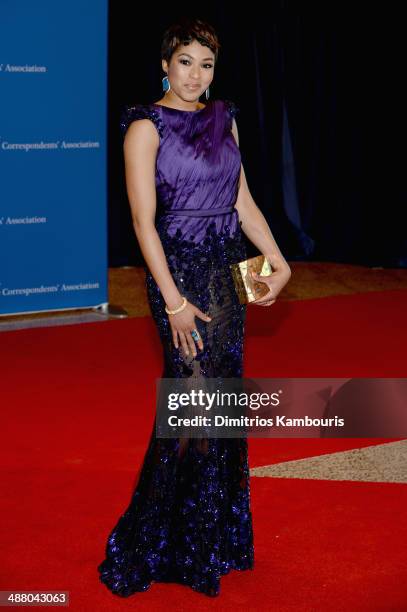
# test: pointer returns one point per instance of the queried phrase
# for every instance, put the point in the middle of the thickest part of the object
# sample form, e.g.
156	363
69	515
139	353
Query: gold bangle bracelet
184	303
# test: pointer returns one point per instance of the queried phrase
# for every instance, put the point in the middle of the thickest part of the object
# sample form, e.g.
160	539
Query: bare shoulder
142	133
235	131
142	119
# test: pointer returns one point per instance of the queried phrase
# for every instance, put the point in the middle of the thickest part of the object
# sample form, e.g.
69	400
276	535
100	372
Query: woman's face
190	71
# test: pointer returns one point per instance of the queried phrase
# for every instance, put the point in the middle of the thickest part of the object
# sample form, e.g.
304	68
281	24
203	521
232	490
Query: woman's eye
187	61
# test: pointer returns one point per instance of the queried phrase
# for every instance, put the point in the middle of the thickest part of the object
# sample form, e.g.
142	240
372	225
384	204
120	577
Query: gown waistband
191	212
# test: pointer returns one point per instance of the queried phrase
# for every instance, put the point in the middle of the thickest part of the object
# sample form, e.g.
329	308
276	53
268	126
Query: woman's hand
183	323
275	281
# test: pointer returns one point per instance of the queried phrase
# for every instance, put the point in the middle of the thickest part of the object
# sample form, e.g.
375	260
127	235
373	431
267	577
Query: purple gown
189	518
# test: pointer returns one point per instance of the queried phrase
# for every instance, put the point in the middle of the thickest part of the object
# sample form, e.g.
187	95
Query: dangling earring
166	84
207	94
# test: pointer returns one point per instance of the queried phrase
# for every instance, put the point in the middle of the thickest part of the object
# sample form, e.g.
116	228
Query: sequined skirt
189	519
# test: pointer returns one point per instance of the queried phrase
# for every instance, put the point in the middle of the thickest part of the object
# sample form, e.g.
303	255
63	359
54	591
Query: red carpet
77	411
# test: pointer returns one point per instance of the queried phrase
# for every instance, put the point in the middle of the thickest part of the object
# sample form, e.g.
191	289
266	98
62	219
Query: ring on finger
195	335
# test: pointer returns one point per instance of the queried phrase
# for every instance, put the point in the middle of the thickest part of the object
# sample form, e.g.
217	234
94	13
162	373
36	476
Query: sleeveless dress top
197	179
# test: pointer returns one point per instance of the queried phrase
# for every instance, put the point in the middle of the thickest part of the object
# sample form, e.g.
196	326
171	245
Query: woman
189	518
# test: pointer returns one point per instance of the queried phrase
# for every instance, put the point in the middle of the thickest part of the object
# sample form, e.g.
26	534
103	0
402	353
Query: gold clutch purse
248	289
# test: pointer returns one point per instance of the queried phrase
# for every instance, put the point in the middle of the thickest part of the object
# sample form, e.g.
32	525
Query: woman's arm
254	224
140	151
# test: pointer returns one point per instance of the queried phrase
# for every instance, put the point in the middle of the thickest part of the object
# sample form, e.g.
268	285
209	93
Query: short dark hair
184	31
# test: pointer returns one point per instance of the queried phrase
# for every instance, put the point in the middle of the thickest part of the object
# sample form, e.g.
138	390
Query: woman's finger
266	298
175	337
191	343
183	342
198	342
